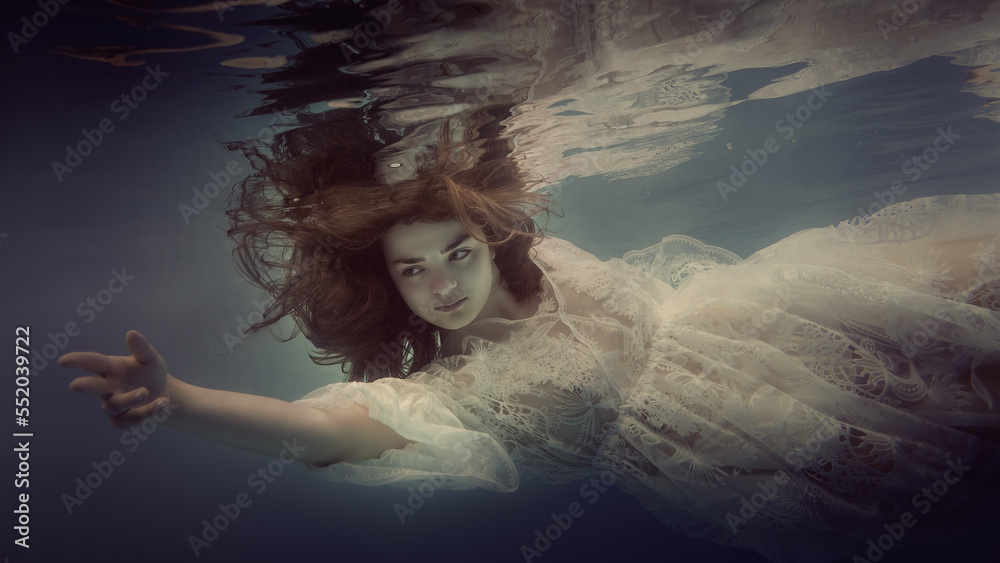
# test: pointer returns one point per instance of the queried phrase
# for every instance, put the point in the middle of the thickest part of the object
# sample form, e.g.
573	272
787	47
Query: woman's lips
453	306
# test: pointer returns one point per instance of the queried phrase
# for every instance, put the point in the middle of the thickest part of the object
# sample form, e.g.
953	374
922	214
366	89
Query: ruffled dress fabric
795	402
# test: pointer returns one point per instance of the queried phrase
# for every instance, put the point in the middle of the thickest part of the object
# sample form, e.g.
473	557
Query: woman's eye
460	254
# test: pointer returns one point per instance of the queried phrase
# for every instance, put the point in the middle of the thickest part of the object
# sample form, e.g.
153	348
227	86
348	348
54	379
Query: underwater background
733	122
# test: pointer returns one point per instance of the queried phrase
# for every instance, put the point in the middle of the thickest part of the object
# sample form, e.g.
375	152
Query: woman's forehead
423	238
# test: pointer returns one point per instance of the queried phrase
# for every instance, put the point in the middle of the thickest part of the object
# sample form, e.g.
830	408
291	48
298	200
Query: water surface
640	117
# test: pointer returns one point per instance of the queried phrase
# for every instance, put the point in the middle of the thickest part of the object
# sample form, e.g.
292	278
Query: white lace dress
795	402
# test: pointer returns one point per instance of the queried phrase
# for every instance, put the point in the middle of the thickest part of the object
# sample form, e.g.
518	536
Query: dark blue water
66	236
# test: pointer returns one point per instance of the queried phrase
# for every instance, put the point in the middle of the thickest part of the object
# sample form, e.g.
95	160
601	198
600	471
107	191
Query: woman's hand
132	388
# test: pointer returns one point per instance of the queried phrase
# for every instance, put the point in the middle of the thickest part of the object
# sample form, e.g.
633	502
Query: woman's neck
501	305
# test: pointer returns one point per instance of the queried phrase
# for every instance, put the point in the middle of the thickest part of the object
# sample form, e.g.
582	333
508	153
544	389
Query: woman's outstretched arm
138	386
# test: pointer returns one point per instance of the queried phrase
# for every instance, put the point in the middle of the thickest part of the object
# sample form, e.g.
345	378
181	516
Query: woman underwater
797	402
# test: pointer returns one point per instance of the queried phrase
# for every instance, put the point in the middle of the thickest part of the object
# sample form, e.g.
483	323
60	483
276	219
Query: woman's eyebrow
459	240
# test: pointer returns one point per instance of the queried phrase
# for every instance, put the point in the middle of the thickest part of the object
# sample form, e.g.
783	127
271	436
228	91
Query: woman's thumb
141	349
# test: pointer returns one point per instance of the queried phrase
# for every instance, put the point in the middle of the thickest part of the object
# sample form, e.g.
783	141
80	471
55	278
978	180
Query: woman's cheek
410	293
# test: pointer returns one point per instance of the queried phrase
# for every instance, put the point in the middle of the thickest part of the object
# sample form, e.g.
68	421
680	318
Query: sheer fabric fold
794	402
448	448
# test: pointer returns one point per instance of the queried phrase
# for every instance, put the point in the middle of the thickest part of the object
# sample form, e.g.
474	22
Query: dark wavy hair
308	225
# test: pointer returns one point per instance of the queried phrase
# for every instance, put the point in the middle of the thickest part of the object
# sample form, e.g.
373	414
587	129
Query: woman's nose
444	283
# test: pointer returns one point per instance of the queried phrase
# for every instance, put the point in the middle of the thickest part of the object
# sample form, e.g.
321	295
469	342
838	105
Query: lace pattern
678	257
839	371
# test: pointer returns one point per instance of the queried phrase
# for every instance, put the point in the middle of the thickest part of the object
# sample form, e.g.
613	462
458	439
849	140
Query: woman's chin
450	326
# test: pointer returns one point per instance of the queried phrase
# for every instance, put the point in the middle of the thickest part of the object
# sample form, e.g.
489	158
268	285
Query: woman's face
444	275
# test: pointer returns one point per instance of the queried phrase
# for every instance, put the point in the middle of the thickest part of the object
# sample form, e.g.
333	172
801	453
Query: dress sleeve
447	448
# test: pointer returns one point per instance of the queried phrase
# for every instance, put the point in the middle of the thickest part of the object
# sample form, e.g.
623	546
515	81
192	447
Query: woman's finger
120	402
136	415
91	385
93	362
